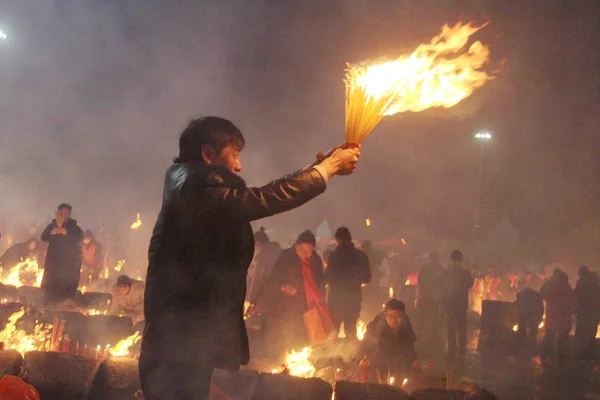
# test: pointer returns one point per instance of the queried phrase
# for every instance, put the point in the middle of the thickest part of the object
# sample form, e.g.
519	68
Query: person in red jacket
560	306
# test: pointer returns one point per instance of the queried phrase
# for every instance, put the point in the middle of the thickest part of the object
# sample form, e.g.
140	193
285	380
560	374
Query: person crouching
128	298
389	340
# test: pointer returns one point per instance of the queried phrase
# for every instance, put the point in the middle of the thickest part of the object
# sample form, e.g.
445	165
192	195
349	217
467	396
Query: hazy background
93	96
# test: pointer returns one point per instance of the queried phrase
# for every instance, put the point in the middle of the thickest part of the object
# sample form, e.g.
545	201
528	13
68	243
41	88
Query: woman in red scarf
295	285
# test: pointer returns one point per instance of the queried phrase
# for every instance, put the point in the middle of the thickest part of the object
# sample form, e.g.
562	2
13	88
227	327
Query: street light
482	137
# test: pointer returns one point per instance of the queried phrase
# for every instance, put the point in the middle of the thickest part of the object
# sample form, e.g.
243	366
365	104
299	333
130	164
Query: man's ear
208	153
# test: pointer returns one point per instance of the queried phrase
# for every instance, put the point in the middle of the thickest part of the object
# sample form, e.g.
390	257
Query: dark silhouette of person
587	296
530	312
560	305
429	300
62	268
456	283
347	270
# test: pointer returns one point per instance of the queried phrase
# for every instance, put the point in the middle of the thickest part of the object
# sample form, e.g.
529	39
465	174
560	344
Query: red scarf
313	295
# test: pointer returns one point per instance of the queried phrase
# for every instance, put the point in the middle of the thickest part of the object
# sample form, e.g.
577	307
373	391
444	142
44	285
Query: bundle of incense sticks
57	331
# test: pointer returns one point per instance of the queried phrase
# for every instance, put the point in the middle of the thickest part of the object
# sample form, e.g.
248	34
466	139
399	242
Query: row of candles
62	344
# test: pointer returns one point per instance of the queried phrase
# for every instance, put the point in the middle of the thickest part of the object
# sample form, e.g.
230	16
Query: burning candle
392	379
391	292
77	347
98	352
404	382
339	375
85	352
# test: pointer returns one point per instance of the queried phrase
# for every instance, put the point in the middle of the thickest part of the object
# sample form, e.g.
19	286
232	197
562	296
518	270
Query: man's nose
238	167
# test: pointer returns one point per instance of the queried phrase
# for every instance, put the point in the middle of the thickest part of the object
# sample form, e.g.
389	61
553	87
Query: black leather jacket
199	254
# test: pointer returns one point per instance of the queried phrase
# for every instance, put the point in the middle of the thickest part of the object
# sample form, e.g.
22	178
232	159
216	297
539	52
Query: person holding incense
200	250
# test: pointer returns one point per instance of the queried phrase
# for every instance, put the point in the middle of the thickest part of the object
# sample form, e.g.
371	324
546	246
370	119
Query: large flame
361	330
19	340
122	348
297	363
438	74
27	272
137	223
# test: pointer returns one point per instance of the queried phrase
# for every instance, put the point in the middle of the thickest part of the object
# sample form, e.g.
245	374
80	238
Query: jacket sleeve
276	197
46	234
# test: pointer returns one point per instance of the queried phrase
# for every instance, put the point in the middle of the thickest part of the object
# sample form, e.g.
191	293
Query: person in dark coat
287	296
17	253
199	253
429	299
560	306
530	312
63	259
347	271
390	340
587	296
456	284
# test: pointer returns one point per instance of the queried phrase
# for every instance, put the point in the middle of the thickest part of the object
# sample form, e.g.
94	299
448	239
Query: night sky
93	96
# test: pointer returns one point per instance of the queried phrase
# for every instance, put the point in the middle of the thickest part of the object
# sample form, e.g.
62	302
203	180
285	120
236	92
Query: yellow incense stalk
438	74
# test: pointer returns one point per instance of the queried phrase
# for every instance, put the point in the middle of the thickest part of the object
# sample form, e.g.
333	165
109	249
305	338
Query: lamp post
482	137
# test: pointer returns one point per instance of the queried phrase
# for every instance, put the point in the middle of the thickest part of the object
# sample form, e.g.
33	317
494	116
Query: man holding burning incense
201	247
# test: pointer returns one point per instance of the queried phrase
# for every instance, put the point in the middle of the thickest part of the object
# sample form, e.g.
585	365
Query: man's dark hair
124	280
261	236
342	234
394	304
456	256
62	206
306	237
89	234
213	131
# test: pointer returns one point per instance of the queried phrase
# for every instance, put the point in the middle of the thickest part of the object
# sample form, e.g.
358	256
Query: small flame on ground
404	382
26	272
392	379
541	325
515	327
403	241
298	364
137	223
367	222
122	348
19	340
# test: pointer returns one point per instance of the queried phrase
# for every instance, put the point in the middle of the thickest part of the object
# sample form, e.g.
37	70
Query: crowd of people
70	259
204	262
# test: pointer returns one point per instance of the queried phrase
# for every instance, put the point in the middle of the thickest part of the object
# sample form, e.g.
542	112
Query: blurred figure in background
456	284
347	270
62	268
266	253
128	298
530	312
19	252
560	305
429	300
93	259
587	295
